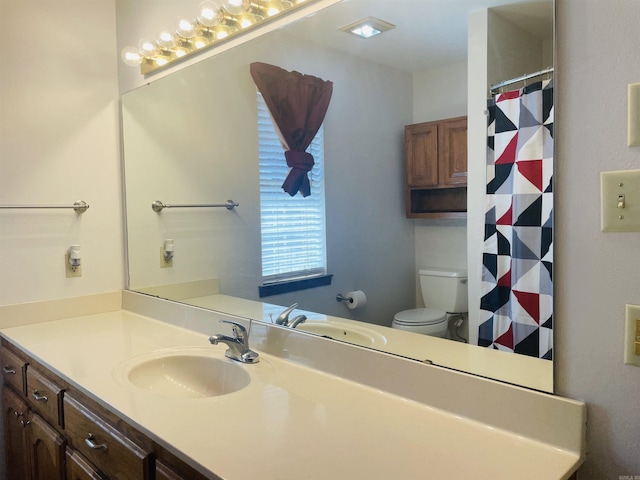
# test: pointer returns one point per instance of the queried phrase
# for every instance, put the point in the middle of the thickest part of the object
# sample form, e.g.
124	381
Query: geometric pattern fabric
516	306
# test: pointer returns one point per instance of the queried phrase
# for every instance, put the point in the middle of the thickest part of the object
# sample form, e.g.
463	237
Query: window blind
292	228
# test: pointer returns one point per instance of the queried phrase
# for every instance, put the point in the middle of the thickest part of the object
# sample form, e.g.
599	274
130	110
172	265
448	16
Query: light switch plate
620	201
632	335
633	121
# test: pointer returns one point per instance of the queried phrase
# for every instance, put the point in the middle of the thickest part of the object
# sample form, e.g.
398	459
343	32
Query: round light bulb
131	56
274	7
186	28
166	39
147	47
208	13
236	7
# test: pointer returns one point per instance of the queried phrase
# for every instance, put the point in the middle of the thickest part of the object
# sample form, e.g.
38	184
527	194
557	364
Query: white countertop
291	422
486	362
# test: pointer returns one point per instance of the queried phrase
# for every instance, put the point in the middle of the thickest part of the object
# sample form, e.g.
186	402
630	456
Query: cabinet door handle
38	397
90	441
9	370
18	414
24	423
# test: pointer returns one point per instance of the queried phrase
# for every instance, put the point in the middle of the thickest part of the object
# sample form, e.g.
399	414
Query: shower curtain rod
520	79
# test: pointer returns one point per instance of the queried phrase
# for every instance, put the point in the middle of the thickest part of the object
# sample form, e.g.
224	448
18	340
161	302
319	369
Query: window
292	228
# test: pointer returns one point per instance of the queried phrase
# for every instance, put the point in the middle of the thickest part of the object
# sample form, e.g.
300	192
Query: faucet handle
239	330
283	318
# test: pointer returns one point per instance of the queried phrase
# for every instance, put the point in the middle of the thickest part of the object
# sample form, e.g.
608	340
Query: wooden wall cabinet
436	169
54	432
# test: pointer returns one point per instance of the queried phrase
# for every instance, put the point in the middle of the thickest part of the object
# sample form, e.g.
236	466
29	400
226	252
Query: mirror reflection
199	137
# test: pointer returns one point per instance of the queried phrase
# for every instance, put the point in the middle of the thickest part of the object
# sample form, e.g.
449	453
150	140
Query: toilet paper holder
342	298
355	299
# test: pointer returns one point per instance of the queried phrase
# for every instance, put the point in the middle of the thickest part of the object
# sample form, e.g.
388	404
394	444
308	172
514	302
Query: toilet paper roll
356	298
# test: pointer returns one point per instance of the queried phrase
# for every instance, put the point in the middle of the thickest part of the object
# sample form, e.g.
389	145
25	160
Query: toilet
444	291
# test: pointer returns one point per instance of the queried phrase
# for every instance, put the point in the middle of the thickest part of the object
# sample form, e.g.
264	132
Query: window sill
293	285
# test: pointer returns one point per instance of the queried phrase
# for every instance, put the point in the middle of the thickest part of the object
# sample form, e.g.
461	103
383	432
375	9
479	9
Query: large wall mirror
192	138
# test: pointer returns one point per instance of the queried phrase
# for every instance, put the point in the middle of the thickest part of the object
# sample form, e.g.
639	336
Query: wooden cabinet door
421	153
78	468
452	150
46	450
15	420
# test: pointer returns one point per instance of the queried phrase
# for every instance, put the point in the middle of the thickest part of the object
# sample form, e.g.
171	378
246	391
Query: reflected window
292	228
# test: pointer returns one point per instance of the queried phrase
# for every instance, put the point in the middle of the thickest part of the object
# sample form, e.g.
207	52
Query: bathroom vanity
307	409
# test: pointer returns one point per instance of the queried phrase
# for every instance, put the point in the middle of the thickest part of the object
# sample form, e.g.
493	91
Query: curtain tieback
300	160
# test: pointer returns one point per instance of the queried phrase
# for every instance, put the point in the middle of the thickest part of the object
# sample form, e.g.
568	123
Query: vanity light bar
214	23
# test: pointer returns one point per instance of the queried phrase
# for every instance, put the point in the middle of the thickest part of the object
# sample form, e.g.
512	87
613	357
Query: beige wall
58	144
596	273
59	140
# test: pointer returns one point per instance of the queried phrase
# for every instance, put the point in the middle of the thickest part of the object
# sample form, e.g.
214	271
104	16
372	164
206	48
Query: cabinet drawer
44	396
78	468
106	448
13	370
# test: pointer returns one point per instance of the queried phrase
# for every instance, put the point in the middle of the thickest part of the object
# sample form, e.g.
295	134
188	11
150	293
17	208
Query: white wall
440	93
58	144
596	273
476	156
512	51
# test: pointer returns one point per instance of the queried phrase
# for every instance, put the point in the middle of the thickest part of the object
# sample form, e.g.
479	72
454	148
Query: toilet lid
420	316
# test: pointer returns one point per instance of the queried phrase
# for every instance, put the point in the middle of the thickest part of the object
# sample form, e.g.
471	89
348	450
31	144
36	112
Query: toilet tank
444	289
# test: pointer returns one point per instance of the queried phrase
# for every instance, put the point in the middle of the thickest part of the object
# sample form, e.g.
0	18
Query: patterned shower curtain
517	284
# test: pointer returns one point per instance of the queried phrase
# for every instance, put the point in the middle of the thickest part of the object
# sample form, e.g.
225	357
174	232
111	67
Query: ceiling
428	33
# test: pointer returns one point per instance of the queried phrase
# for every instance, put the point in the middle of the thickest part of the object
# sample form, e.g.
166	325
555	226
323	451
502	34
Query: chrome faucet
283	318
297	321
238	344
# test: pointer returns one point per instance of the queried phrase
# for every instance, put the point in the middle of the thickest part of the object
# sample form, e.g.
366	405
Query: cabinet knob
38	397
90	441
9	370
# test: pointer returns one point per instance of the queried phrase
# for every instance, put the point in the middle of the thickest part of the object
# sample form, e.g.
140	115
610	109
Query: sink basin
344	332
184	374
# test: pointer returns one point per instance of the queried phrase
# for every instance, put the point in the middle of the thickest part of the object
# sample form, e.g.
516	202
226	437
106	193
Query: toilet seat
425	321
420	317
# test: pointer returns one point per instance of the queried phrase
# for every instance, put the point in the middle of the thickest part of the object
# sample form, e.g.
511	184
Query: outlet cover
632	335
71	272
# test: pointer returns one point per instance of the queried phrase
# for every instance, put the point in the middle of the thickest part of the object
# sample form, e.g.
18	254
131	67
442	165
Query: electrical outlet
164	263
632	335
70	271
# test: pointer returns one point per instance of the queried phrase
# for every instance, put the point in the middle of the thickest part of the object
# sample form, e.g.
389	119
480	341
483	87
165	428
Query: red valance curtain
298	104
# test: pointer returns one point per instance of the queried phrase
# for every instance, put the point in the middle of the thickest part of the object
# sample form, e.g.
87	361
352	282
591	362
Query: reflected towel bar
158	206
79	206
